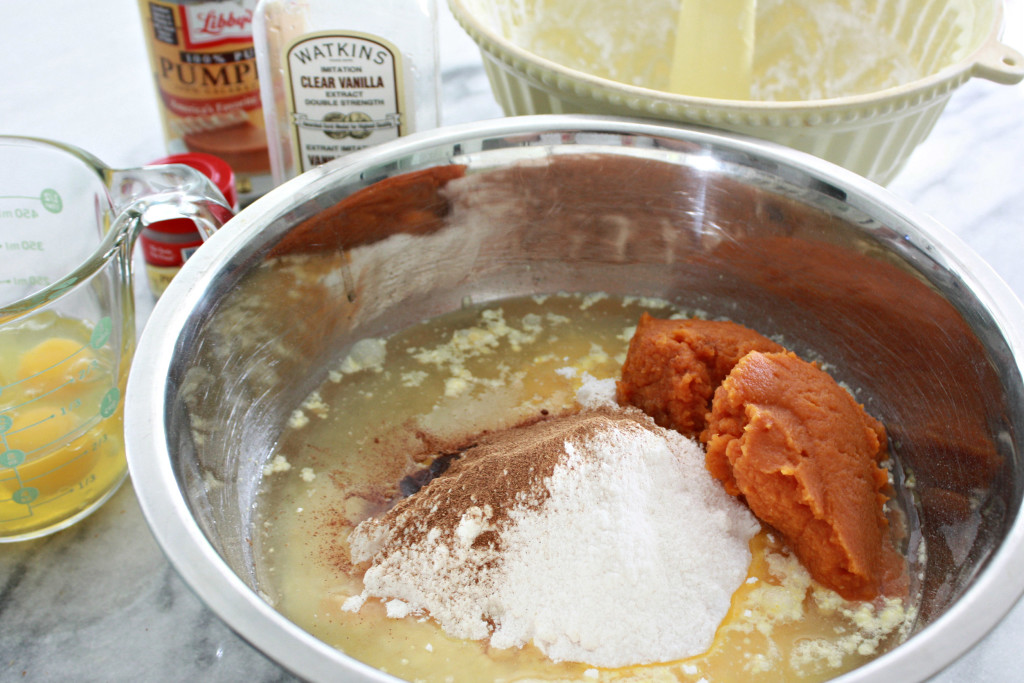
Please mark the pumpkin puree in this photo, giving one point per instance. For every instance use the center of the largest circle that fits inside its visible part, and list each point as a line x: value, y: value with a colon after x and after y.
x: 673, y: 367
x: 781, y: 434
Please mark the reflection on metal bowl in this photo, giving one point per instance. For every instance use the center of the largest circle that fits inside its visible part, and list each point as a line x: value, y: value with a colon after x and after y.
x: 769, y: 237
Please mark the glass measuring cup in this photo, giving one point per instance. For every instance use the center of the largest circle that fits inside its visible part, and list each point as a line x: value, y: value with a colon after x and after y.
x: 67, y: 321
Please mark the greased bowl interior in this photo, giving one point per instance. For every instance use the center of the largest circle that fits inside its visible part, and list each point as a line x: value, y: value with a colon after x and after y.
x: 871, y: 132
x: 758, y: 233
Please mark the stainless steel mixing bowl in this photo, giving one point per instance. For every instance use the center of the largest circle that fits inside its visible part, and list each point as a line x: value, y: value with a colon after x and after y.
x: 766, y: 236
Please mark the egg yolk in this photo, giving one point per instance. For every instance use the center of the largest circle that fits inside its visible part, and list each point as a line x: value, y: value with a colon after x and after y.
x: 51, y: 378
x: 61, y: 445
x: 53, y: 366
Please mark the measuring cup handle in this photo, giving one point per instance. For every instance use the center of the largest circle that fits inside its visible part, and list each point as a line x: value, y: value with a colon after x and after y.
x: 147, y: 195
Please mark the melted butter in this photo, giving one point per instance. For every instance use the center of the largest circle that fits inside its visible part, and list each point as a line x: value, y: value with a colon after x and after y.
x: 782, y: 624
x: 487, y: 368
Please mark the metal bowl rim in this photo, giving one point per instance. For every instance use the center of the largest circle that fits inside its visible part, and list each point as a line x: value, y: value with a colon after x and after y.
x: 983, y: 605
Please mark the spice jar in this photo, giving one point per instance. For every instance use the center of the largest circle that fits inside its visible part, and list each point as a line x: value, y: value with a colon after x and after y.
x: 166, y: 245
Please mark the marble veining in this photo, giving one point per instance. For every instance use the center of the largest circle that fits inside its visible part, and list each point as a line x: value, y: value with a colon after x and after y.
x: 98, y: 602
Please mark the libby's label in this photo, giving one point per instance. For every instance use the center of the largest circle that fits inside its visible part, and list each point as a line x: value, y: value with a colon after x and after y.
x: 212, y: 24
x: 345, y: 94
x: 203, y: 58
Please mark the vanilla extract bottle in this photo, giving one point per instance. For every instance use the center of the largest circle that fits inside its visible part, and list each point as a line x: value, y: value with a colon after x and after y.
x: 337, y: 76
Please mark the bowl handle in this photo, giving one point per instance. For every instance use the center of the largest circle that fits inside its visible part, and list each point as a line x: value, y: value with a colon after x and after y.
x: 1000, y: 63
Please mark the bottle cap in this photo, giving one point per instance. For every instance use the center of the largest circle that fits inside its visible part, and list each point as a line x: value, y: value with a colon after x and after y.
x: 166, y: 245
x: 214, y: 168
x: 182, y: 231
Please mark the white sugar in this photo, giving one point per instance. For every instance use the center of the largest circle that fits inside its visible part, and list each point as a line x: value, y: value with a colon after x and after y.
x: 596, y: 393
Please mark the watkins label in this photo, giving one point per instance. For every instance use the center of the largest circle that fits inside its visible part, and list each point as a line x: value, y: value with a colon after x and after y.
x: 345, y: 94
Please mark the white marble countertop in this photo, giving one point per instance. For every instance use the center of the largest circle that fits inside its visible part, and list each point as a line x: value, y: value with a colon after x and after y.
x: 99, y: 601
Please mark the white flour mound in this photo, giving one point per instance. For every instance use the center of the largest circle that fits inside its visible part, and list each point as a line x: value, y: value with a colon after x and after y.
x: 632, y: 557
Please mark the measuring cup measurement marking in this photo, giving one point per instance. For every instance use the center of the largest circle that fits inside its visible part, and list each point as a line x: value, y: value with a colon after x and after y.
x: 34, y: 424
x: 17, y: 457
x: 26, y: 507
x: 50, y: 201
x: 108, y: 404
x: 12, y: 458
x: 57, y: 364
x: 100, y: 335
x: 83, y: 426
x: 72, y: 405
x: 88, y: 424
x: 26, y: 497
x: 107, y: 407
x: 49, y: 198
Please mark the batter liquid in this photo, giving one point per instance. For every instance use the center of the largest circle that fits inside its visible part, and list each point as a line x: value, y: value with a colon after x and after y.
x: 488, y: 367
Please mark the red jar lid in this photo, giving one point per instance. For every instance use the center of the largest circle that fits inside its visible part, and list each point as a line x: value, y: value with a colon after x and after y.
x: 169, y: 243
x: 214, y: 168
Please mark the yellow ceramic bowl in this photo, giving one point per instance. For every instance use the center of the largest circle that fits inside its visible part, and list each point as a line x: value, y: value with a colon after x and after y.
x: 611, y: 56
